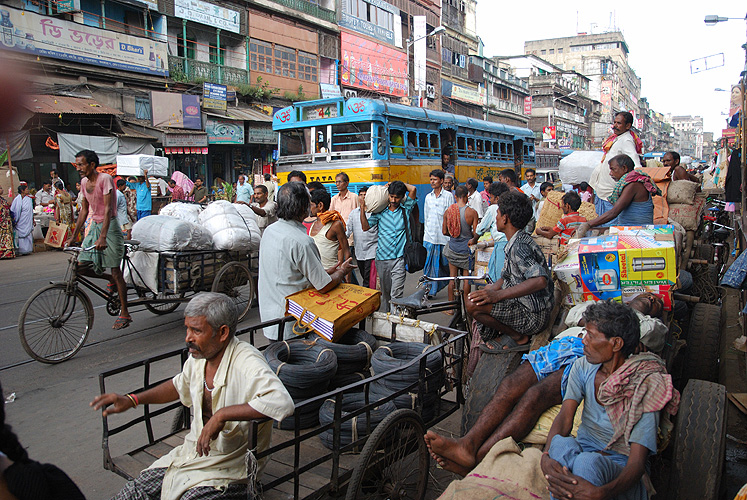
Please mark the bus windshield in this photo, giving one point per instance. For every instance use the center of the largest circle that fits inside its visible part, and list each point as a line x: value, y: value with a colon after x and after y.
x: 295, y: 142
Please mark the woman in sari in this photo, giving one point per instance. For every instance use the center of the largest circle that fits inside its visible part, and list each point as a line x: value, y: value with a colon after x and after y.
x: 23, y: 213
x: 63, y: 205
x: 6, y: 229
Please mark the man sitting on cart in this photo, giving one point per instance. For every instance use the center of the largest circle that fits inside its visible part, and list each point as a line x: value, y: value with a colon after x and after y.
x: 227, y: 383
x: 535, y: 386
x: 519, y: 304
x: 622, y: 399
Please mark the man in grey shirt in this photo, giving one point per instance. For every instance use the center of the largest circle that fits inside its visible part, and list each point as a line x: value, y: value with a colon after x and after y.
x: 289, y: 260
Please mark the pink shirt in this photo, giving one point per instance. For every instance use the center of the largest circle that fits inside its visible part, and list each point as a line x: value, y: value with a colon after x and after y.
x: 104, y: 185
x: 344, y: 205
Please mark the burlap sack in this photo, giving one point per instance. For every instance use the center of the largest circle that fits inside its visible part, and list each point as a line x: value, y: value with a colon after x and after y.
x: 377, y: 199
x: 681, y: 192
x: 688, y: 214
x: 552, y: 210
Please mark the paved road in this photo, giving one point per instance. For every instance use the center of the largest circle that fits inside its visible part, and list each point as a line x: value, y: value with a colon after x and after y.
x: 50, y: 413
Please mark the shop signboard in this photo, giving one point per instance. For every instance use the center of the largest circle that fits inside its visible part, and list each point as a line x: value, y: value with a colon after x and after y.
x: 26, y: 31
x: 330, y: 91
x: 528, y: 105
x: 170, y: 109
x: 548, y: 134
x: 468, y: 95
x: 371, y: 66
x: 64, y: 6
x: 348, y: 20
x: 258, y: 134
x: 179, y: 141
x: 209, y: 14
x: 606, y: 96
x: 214, y: 96
x: 221, y: 131
x: 319, y: 112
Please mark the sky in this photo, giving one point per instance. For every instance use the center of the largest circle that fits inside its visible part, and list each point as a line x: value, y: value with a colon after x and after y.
x: 663, y: 36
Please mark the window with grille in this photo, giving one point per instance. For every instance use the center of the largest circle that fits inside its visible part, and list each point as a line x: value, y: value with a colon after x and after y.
x: 285, y: 61
x: 142, y: 108
x: 307, y: 67
x: 217, y: 56
x: 260, y: 56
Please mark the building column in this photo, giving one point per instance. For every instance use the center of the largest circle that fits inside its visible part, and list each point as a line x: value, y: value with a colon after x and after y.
x: 184, y: 43
x: 246, y: 42
x: 217, y: 50
x: 103, y: 13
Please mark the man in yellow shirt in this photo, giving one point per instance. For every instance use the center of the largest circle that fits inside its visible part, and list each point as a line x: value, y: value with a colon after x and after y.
x: 227, y: 383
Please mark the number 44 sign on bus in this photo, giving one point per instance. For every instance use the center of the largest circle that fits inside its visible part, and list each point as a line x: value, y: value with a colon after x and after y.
x: 319, y: 112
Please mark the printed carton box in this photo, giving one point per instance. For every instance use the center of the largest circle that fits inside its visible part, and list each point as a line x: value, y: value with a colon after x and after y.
x: 647, y: 258
x: 568, y: 272
x: 599, y: 265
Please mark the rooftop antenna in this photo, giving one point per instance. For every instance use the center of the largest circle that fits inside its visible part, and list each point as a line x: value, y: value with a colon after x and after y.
x: 577, y: 22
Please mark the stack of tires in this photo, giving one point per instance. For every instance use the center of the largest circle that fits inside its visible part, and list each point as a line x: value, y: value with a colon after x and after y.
x: 354, y: 428
x: 398, y: 354
x: 305, y: 369
x: 353, y: 351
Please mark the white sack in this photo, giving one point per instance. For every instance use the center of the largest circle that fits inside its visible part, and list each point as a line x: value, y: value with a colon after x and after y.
x: 184, y: 211
x: 160, y: 233
x: 145, y: 272
x: 377, y: 198
x: 136, y: 164
x: 578, y: 166
x: 229, y: 230
x: 250, y: 218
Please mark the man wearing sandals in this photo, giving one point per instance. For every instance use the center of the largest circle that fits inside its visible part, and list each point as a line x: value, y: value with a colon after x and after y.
x: 519, y: 304
x: 227, y: 383
x: 100, y: 199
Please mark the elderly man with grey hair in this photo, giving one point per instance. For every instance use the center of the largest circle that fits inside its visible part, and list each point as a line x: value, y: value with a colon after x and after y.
x: 227, y: 383
x: 289, y: 259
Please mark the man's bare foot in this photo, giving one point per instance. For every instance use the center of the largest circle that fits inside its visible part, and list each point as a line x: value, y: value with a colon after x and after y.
x: 450, y: 454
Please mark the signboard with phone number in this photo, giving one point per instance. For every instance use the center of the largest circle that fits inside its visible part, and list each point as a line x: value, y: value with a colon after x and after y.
x: 319, y: 112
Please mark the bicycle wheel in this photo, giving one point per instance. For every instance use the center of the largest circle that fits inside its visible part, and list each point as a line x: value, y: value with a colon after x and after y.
x: 235, y: 281
x: 54, y: 323
x: 161, y: 308
x: 394, y: 462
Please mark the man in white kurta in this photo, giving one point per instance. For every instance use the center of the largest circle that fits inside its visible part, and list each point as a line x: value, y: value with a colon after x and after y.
x: 623, y: 141
x: 22, y: 209
x: 226, y: 382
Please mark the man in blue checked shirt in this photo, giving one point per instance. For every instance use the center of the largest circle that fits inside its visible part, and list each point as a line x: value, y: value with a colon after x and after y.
x: 436, y: 203
x: 390, y: 262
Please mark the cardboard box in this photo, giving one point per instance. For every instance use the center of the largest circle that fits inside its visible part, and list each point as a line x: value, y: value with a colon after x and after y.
x: 568, y: 272
x: 647, y: 258
x: 135, y: 165
x: 599, y: 264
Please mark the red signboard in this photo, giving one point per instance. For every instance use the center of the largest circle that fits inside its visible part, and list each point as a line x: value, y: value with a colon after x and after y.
x: 528, y: 105
x: 371, y: 66
x: 548, y: 134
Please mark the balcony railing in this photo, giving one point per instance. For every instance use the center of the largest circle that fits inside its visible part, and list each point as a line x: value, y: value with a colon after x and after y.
x: 310, y: 8
x: 189, y: 70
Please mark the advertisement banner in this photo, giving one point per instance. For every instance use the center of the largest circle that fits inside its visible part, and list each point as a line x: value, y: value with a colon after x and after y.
x: 371, y: 66
x: 606, y: 96
x: 548, y: 134
x: 261, y: 134
x: 467, y: 95
x: 221, y: 131
x: 170, y: 109
x: 209, y: 14
x: 214, y: 96
x: 528, y: 105
x: 419, y: 50
x: 59, y: 39
x: 735, y: 105
x: 349, y: 20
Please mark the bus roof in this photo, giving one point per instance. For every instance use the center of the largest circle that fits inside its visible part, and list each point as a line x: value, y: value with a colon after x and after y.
x: 339, y: 110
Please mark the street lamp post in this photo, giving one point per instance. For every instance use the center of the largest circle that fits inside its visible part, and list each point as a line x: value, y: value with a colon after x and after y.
x: 551, y: 111
x: 409, y: 43
x: 712, y: 20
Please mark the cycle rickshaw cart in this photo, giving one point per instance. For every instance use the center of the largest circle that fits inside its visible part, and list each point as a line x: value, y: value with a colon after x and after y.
x: 56, y: 320
x: 388, y: 459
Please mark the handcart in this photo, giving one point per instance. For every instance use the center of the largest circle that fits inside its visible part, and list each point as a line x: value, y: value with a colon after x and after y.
x: 56, y: 320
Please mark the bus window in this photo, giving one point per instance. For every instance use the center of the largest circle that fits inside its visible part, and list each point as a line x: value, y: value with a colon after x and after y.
x: 412, y: 143
x: 380, y: 140
x: 354, y: 136
x: 461, y: 147
x: 470, y: 147
x: 510, y: 151
x: 321, y: 140
x: 397, y: 142
x: 480, y: 145
x: 423, y: 144
x: 295, y: 142
x: 504, y: 154
x: 496, y: 150
x: 435, y: 146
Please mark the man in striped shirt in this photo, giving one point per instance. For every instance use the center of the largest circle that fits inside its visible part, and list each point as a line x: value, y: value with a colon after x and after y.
x: 390, y: 262
x: 567, y: 225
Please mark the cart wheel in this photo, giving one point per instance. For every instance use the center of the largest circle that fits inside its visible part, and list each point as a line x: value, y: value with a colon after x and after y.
x: 699, y: 442
x: 161, y: 308
x: 235, y: 281
x: 394, y: 462
x: 54, y: 324
x: 113, y: 308
x: 703, y: 343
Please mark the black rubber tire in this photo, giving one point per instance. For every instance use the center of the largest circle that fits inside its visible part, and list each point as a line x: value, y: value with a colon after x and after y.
x: 490, y: 372
x: 48, y: 333
x: 713, y: 273
x: 305, y: 365
x: 703, y: 343
x: 235, y: 280
x: 161, y: 309
x: 394, y: 462
x: 351, y: 402
x: 699, y: 442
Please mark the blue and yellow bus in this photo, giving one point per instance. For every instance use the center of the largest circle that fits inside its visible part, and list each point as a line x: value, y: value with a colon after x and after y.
x: 375, y: 142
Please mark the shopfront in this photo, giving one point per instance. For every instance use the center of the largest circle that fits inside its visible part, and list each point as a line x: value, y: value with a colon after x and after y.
x: 187, y: 153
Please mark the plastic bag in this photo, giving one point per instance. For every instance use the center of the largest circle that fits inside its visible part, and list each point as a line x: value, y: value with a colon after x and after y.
x: 159, y: 233
x: 578, y: 166
x: 230, y: 231
x: 185, y: 211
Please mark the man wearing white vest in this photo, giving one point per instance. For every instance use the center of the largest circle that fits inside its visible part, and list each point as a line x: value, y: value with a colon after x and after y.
x: 622, y: 141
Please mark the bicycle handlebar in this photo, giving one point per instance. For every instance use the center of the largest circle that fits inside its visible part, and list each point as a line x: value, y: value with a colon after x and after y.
x: 78, y: 249
x: 463, y: 278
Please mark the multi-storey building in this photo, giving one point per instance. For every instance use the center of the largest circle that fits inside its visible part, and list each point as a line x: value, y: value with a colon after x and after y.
x: 461, y: 95
x: 690, y: 131
x: 603, y: 58
x: 505, y: 93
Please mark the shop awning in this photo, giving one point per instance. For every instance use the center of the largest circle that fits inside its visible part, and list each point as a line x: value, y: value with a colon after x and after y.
x: 55, y: 105
x: 241, y: 114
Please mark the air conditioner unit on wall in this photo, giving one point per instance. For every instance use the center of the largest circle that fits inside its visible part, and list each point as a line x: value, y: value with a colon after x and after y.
x: 350, y: 93
x: 430, y: 91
